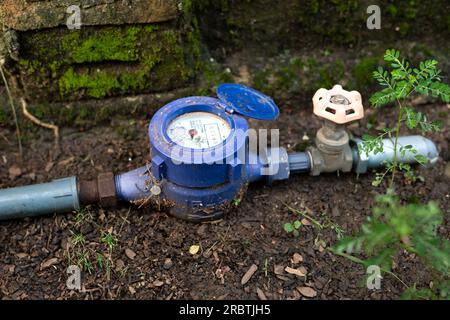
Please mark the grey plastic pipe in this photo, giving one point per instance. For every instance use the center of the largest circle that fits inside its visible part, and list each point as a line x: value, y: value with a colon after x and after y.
x: 54, y: 197
x: 425, y: 147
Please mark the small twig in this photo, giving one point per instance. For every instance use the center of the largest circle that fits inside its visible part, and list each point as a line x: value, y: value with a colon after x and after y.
x: 13, y: 109
x: 35, y: 120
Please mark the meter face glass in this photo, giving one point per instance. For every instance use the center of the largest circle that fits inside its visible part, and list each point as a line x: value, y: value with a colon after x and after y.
x: 198, y: 130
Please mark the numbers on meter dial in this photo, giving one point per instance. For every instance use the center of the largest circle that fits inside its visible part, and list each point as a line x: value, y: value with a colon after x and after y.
x: 198, y: 130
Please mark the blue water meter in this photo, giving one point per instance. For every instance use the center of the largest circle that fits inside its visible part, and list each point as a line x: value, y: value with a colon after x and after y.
x: 199, y: 147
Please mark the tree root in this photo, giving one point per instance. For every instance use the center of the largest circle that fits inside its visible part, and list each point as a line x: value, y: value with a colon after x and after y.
x: 25, y: 112
x: 40, y: 123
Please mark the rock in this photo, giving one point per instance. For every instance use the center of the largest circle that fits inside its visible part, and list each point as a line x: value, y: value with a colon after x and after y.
x: 261, y: 294
x: 48, y: 263
x: 298, y: 272
x: 307, y: 292
x: 297, y: 258
x: 130, y: 253
x: 14, y: 172
x: 167, y: 264
x: 250, y: 272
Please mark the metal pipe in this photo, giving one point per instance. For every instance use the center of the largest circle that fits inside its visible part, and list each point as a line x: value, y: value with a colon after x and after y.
x: 54, y: 197
x: 299, y: 162
x: 362, y: 162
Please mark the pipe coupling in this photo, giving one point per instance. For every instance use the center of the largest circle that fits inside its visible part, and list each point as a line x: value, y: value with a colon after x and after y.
x: 101, y: 190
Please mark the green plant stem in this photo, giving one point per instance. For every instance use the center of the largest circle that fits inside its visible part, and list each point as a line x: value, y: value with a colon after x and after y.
x: 317, y: 223
x: 357, y: 260
x: 397, y: 133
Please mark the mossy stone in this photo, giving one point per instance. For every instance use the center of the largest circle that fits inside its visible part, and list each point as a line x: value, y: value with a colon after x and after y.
x: 97, y: 62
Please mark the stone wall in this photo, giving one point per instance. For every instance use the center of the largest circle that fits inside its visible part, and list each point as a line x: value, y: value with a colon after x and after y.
x: 122, y: 48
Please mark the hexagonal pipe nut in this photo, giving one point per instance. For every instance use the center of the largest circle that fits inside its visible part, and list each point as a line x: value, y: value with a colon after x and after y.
x: 107, y: 189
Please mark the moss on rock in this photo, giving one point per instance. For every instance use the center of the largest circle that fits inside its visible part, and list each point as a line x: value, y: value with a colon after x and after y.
x: 105, y: 61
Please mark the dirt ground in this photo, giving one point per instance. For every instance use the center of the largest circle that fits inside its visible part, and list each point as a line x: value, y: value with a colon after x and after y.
x: 151, y: 259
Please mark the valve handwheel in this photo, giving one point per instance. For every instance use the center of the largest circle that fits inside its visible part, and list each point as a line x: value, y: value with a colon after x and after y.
x: 338, y: 105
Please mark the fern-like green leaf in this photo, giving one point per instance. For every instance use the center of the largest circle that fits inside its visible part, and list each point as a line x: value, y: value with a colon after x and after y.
x: 383, y: 97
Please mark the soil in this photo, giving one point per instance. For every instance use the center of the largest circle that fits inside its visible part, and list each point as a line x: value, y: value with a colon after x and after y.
x: 151, y: 259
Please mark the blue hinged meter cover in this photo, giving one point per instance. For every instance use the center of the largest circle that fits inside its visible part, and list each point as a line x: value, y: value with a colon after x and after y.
x: 247, y: 101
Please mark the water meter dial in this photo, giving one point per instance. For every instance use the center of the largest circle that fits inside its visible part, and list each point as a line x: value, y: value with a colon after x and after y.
x: 199, y: 130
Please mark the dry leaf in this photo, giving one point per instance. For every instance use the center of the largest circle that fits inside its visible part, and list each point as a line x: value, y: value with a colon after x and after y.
x: 158, y: 283
x: 261, y: 294
x: 194, y: 249
x: 307, y: 292
x: 49, y: 166
x: 48, y: 263
x: 297, y: 272
x: 305, y: 222
x: 130, y: 253
x: 66, y: 162
x: 250, y: 272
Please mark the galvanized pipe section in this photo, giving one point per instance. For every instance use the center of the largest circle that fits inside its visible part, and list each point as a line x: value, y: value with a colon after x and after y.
x: 425, y: 147
x: 54, y: 197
